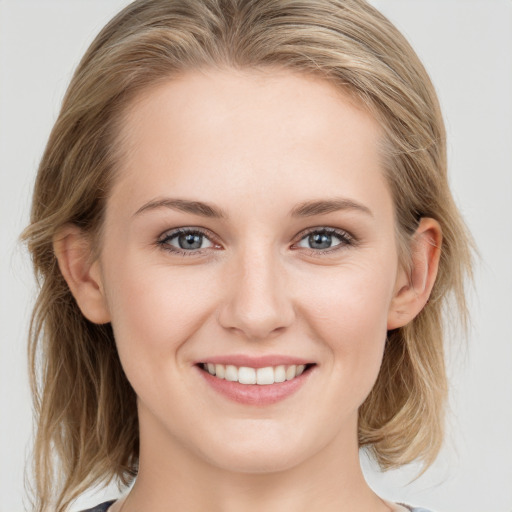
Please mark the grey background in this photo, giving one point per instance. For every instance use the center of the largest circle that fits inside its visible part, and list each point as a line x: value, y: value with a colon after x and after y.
x: 467, y: 47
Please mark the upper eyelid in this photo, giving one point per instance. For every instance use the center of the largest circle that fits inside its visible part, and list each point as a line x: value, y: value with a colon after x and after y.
x: 330, y: 229
x: 343, y: 233
x: 169, y: 233
x: 163, y: 241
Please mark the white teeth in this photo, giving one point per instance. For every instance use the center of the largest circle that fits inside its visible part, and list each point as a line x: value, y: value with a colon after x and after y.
x: 220, y: 371
x: 265, y: 375
x: 231, y: 373
x: 279, y: 374
x: 261, y: 376
x: 246, y: 375
x: 290, y: 372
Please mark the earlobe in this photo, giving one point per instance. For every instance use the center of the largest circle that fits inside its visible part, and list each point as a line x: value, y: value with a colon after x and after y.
x: 73, y: 251
x: 413, y: 289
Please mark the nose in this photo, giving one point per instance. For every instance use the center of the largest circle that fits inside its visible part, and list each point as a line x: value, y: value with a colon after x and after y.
x: 257, y: 302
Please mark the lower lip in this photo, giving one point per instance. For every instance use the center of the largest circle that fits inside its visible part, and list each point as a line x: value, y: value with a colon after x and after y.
x: 255, y: 394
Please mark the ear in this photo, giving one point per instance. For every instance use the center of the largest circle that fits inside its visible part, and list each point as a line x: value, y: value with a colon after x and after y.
x: 74, y: 254
x: 413, y: 289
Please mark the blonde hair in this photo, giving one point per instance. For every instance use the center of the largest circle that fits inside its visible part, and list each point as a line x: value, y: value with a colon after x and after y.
x: 87, y: 429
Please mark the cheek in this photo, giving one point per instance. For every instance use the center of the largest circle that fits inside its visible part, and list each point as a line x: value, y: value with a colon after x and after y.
x: 155, y: 309
x: 351, y: 297
x: 348, y: 309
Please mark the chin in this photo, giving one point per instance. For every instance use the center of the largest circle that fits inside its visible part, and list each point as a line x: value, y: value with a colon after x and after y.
x: 263, y: 453
x: 260, y: 462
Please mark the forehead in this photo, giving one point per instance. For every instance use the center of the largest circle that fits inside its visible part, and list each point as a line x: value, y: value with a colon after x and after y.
x: 212, y: 96
x: 248, y: 127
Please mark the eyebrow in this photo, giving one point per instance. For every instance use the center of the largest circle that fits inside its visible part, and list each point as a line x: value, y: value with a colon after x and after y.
x: 184, y: 205
x: 306, y: 209
x: 321, y: 207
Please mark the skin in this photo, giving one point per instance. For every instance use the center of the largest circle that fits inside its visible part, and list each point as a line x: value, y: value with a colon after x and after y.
x: 255, y: 145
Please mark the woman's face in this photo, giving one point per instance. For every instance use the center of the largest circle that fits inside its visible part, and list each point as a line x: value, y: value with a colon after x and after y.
x: 250, y: 226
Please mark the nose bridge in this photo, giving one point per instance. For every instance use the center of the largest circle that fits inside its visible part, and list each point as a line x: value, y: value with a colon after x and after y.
x: 258, y: 303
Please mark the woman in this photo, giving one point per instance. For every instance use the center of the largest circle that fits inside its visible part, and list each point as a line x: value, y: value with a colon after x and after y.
x: 245, y: 239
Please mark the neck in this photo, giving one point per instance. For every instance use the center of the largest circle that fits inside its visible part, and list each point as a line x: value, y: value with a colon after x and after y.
x: 173, y: 477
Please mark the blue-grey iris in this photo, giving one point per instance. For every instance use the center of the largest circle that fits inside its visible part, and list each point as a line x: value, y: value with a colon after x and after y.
x: 190, y: 241
x: 320, y: 241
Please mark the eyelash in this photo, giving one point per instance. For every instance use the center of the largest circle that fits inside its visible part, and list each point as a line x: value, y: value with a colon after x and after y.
x: 346, y: 240
x: 164, y: 240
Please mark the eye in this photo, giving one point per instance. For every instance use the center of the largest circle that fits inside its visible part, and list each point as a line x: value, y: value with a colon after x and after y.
x: 325, y: 239
x: 185, y: 240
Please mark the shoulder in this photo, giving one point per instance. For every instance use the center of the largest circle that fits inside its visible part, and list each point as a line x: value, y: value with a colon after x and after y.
x: 102, y: 507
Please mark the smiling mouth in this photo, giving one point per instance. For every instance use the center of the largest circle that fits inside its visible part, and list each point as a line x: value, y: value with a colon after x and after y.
x: 261, y: 376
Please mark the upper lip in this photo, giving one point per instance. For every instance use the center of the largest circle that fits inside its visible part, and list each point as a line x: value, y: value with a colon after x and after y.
x: 255, y: 361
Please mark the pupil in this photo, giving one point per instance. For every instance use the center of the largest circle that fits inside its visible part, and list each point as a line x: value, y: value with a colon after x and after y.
x: 320, y: 241
x: 190, y: 241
